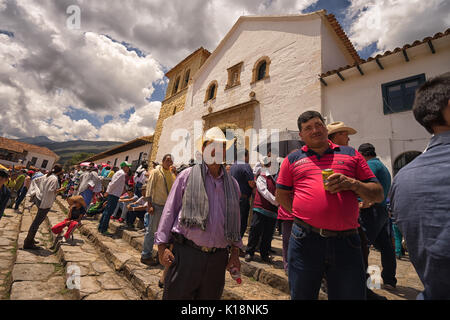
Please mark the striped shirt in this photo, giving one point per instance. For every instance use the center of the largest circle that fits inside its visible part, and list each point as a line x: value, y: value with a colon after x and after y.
x: 301, y: 172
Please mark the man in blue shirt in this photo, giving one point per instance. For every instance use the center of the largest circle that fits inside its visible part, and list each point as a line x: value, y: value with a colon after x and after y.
x: 420, y: 197
x: 4, y: 191
x: 374, y: 218
x: 243, y: 174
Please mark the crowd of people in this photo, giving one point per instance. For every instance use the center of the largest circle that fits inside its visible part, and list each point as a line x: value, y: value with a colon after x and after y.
x: 331, y: 201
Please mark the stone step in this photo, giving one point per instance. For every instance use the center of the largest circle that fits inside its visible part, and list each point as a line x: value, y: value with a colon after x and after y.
x: 9, y: 233
x: 98, y: 279
x: 124, y: 250
x: 37, y: 274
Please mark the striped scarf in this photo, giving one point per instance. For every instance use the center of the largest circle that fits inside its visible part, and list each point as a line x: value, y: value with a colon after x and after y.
x: 196, y: 206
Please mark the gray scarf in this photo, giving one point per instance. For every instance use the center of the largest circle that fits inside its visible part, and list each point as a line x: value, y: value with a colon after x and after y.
x: 195, y: 208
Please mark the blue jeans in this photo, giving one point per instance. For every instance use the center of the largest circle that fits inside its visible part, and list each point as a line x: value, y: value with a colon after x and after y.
x: 149, y: 238
x: 310, y: 256
x: 109, y: 210
x: 22, y: 193
x: 137, y: 189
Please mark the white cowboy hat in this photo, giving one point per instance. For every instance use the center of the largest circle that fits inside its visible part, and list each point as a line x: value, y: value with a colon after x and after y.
x: 338, y: 127
x: 213, y: 134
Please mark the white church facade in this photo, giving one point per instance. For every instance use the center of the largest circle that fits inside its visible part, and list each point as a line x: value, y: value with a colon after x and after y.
x: 269, y: 69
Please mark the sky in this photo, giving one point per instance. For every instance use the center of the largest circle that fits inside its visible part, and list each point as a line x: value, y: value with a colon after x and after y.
x: 101, y: 77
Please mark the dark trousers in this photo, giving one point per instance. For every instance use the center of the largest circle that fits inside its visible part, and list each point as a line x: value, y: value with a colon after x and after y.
x: 195, y: 275
x: 261, y: 229
x: 132, y: 215
x: 22, y: 193
x: 310, y: 256
x: 40, y: 217
x: 244, y: 207
x: 109, y: 210
x: 383, y: 244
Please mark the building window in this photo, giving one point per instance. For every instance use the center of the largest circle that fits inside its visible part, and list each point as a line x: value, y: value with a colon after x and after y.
x: 115, y: 162
x: 126, y: 158
x: 403, y: 159
x: 186, y: 78
x: 176, y: 85
x: 44, y: 164
x: 211, y: 92
x: 234, y: 75
x: 261, y: 69
x: 33, y: 161
x: 399, y: 95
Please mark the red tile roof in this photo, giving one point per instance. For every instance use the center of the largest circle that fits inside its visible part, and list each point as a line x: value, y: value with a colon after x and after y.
x: 387, y: 53
x: 19, y: 147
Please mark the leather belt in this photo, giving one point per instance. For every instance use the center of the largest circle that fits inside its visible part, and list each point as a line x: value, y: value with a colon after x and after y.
x: 179, y: 238
x: 324, y: 232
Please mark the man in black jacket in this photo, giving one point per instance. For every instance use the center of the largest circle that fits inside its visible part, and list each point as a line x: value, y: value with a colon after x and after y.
x: 4, y: 191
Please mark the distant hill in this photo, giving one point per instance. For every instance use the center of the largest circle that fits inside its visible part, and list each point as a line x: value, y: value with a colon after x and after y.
x: 69, y: 148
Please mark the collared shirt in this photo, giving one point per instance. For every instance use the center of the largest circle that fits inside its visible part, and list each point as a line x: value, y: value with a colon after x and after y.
x: 243, y: 173
x: 214, y: 235
x: 301, y: 172
x: 156, y: 185
x: 49, y: 186
x: 420, y: 203
x: 117, y: 183
x: 382, y: 173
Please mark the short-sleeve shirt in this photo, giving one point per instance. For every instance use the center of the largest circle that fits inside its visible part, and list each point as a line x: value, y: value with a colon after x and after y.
x: 301, y: 172
x: 382, y: 173
x: 243, y: 173
x: 48, y: 192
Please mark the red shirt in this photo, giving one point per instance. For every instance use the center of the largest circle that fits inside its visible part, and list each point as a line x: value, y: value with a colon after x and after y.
x: 301, y: 172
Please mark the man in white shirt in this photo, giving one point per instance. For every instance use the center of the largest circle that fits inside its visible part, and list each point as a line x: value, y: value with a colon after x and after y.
x: 48, y: 187
x: 113, y: 192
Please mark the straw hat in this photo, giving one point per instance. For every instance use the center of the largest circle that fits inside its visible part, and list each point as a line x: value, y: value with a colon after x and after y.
x: 75, y: 199
x: 213, y: 134
x: 338, y: 127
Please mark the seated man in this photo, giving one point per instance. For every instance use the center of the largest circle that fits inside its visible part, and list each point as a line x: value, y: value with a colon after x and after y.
x: 137, y: 209
x: 125, y: 199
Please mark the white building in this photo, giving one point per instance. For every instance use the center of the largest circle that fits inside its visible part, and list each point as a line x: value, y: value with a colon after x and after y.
x: 269, y: 69
x: 134, y: 152
x: 16, y: 153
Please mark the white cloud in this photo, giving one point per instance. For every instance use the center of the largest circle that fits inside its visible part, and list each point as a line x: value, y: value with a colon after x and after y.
x: 393, y: 23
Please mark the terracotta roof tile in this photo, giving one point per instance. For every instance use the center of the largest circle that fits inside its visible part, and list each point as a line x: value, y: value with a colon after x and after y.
x: 18, y: 146
x: 388, y: 52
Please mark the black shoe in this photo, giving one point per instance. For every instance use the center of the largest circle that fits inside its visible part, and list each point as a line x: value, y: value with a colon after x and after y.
x: 31, y: 247
x: 370, y: 295
x: 272, y: 251
x: 248, y: 257
x: 267, y: 259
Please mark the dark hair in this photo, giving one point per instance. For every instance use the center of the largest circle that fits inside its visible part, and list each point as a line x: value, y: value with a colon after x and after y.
x: 306, y: 116
x: 367, y: 150
x: 166, y: 156
x: 331, y: 136
x: 431, y: 99
x: 57, y: 168
x: 4, y: 174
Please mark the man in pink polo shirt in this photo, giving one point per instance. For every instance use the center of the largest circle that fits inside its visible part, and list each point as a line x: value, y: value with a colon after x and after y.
x: 324, y: 238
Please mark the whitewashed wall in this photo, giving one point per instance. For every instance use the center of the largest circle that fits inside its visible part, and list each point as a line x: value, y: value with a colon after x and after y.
x: 132, y: 154
x: 358, y: 101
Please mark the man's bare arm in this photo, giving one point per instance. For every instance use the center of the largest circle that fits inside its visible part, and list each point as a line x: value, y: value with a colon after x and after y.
x: 284, y: 198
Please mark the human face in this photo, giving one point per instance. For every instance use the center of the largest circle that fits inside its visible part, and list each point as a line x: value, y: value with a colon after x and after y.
x: 341, y: 138
x: 314, y: 133
x: 126, y: 169
x: 167, y: 163
x: 214, y: 152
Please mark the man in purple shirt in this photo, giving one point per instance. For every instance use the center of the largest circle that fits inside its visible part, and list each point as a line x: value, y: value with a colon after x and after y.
x: 201, y: 218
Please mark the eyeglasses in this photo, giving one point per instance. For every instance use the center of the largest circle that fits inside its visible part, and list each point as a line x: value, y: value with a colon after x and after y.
x: 316, y: 125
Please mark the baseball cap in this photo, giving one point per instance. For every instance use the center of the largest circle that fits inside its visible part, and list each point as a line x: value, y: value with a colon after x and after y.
x: 125, y: 164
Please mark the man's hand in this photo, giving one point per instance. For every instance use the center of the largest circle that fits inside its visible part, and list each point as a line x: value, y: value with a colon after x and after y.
x: 338, y: 182
x: 150, y: 210
x: 233, y: 261
x: 106, y: 194
x: 165, y: 256
x: 365, y: 204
